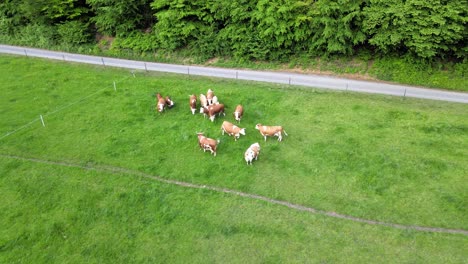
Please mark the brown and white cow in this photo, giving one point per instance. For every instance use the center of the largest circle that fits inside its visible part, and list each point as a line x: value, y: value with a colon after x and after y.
x: 215, y: 109
x: 193, y: 103
x: 204, y: 111
x: 209, y: 96
x: 232, y: 130
x: 238, y: 113
x: 169, y: 102
x: 207, y: 143
x: 161, y: 104
x: 270, y: 131
x: 252, y: 153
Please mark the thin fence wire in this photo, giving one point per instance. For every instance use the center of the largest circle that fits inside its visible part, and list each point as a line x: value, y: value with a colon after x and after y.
x: 20, y: 128
x: 74, y: 103
x: 62, y: 108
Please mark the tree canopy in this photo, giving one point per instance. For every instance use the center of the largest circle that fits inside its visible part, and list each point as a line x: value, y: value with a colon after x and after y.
x: 251, y: 29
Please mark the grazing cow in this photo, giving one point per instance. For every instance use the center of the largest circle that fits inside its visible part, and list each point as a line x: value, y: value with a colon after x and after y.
x: 207, y: 143
x: 238, y: 113
x: 271, y: 131
x: 204, y: 111
x: 193, y: 103
x: 215, y: 109
x: 215, y: 100
x: 209, y: 97
x: 169, y: 102
x: 252, y: 153
x: 203, y: 101
x: 232, y: 130
x: 161, y: 103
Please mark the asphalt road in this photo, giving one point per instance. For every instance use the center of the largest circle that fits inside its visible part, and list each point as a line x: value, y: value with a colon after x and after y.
x: 306, y: 80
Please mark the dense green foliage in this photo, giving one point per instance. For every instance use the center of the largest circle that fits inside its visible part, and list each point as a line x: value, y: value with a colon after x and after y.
x: 120, y: 17
x: 376, y: 157
x: 261, y: 29
x: 427, y: 28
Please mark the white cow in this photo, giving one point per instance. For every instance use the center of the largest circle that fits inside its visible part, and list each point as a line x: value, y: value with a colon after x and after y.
x: 252, y: 153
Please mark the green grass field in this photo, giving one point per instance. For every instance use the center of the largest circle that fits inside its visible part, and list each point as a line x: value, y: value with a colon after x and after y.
x: 396, y: 160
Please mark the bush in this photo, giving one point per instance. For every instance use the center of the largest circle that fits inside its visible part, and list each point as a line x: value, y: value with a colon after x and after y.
x: 73, y: 32
x: 408, y: 70
x: 37, y: 35
x: 136, y: 41
x: 6, y: 26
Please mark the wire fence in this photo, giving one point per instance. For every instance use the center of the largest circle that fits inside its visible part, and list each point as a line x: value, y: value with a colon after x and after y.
x: 282, y: 78
x: 63, y: 107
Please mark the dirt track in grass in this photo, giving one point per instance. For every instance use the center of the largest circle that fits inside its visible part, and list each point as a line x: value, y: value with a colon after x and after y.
x: 118, y: 170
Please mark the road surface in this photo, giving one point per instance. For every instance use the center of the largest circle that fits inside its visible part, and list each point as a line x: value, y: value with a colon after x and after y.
x: 306, y: 80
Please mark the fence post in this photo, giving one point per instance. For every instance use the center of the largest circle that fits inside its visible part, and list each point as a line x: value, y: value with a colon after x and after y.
x: 289, y: 80
x: 404, y: 95
x: 25, y: 53
x: 42, y: 120
x: 146, y: 69
x: 102, y: 59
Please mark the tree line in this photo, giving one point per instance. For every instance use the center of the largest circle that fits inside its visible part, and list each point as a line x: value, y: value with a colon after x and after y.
x: 247, y: 29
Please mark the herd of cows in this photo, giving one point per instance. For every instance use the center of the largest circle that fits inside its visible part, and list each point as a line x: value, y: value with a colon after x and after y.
x: 210, y: 107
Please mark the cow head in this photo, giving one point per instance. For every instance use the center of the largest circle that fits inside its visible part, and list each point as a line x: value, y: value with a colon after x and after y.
x: 258, y: 126
x: 200, y: 136
x: 169, y: 102
x: 256, y: 145
x: 242, y: 131
x: 193, y: 99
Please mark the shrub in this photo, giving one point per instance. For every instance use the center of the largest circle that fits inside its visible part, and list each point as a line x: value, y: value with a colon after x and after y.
x: 37, y: 35
x: 6, y: 26
x: 73, y: 32
x: 408, y: 70
x: 136, y: 41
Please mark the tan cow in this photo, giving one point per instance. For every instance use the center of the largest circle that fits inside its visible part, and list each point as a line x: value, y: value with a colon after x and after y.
x: 252, y: 153
x: 193, y: 103
x: 271, y: 131
x: 232, y: 130
x: 215, y: 100
x: 215, y: 109
x: 203, y: 101
x: 209, y: 97
x: 207, y: 143
x: 161, y: 104
x: 238, y: 113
